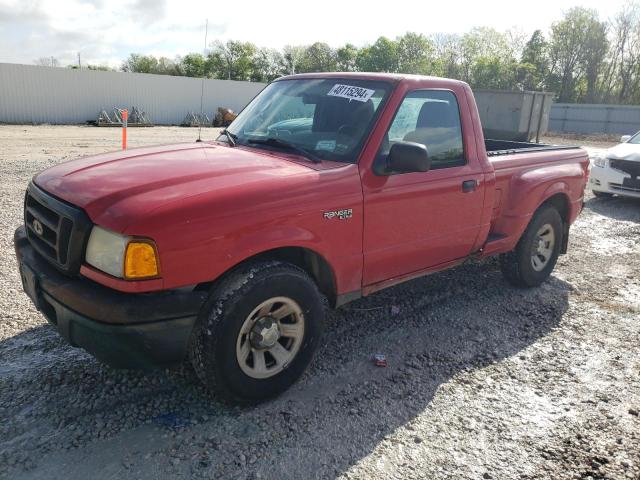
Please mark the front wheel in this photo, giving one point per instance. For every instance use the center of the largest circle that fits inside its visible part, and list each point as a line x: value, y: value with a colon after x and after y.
x: 536, y: 254
x: 258, y: 332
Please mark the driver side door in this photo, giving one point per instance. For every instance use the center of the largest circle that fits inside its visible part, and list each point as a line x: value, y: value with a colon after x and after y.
x: 415, y: 221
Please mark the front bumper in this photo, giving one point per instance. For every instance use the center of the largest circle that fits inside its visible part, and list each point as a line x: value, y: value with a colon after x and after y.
x: 124, y: 330
x: 609, y: 180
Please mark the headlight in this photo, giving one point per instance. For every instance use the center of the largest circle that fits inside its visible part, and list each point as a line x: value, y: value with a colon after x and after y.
x: 122, y: 256
x: 600, y: 162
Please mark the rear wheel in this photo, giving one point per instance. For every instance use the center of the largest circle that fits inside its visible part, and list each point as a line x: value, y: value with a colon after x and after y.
x: 602, y: 194
x: 258, y: 332
x: 536, y: 254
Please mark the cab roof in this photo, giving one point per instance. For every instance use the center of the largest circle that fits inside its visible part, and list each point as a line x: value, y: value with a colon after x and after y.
x: 385, y: 77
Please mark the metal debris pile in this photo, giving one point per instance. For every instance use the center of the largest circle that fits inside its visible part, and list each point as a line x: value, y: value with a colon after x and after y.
x: 137, y: 118
x: 196, y: 120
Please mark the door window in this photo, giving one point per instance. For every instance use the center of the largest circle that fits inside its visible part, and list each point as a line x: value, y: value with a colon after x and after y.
x: 432, y: 118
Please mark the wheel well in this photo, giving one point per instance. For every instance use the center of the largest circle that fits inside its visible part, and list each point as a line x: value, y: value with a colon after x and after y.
x: 561, y: 203
x: 311, y: 262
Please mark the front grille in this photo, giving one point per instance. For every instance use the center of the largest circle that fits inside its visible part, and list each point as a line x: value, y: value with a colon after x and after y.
x: 626, y: 166
x: 55, y: 229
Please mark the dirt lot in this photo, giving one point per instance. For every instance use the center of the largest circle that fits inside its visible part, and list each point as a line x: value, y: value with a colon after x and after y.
x: 484, y: 380
x: 596, y: 140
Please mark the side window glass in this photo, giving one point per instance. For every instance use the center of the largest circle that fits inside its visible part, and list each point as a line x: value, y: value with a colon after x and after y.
x: 432, y: 118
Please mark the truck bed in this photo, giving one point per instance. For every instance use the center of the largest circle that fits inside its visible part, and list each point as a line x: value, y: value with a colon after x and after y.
x: 526, y: 172
x: 507, y: 147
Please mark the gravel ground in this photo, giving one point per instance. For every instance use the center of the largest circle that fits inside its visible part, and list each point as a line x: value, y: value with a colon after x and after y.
x: 598, y: 140
x: 484, y: 380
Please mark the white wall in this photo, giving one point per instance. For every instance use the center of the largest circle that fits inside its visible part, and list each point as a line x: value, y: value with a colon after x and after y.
x: 33, y: 94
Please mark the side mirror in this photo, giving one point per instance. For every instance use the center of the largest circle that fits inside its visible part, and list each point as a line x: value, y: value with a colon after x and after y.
x: 407, y: 157
x: 625, y: 138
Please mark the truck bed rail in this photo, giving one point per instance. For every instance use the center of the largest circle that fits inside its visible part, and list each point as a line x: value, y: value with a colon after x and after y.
x: 507, y: 147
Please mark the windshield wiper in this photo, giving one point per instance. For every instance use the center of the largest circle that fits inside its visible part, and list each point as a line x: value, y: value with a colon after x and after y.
x: 232, y: 137
x: 276, y: 142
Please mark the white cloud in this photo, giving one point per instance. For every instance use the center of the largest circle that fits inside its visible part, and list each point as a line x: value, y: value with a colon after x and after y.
x: 106, y: 31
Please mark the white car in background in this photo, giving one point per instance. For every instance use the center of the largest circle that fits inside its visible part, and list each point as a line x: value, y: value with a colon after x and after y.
x: 617, y: 172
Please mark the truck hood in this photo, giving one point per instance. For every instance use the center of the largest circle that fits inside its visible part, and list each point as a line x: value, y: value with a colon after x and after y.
x: 146, y: 178
x: 625, y: 151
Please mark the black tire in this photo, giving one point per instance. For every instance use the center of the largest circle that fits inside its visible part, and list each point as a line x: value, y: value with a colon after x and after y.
x: 213, y: 346
x: 517, y: 265
x: 602, y: 194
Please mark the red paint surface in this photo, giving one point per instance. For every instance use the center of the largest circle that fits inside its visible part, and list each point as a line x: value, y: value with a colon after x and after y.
x: 209, y: 206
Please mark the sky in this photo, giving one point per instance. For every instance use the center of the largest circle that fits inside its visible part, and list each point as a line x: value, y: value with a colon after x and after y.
x: 105, y: 32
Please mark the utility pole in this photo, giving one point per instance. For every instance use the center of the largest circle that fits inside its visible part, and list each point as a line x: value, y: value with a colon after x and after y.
x: 79, y: 64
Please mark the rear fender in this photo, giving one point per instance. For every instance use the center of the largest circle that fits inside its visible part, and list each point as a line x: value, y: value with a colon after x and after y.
x: 554, y: 189
x: 532, y: 188
x: 527, y: 192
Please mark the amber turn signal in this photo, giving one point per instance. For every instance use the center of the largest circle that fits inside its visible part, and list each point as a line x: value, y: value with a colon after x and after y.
x: 140, y: 260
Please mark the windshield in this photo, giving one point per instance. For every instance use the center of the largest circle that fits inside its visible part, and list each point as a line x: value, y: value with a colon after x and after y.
x: 329, y: 119
x: 635, y: 139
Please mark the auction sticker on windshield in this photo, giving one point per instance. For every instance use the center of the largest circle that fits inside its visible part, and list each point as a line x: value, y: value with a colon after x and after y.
x: 352, y: 93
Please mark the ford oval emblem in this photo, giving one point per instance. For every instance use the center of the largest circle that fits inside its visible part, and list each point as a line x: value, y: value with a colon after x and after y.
x: 37, y: 227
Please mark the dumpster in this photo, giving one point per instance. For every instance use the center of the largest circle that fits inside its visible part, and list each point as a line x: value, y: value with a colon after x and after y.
x: 519, y: 116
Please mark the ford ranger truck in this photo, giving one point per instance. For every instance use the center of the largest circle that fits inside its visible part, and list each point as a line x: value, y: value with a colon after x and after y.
x: 326, y: 186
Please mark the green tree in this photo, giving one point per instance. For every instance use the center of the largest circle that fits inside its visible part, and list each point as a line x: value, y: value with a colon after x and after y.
x: 492, y: 72
x: 292, y: 56
x: 382, y: 56
x: 166, y: 66
x: 138, y: 63
x: 415, y: 54
x: 193, y: 65
x: 232, y: 60
x: 346, y: 57
x: 535, y: 61
x: 486, y: 43
x: 447, y: 55
x: 621, y: 79
x: 318, y: 57
x: 573, y: 51
x: 102, y: 68
x: 267, y: 65
x: 595, y: 51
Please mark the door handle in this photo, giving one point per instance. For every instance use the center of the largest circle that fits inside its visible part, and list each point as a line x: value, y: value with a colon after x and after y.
x: 469, y: 186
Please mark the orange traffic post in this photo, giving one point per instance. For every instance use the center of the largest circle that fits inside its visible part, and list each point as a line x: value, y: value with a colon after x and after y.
x: 125, y: 117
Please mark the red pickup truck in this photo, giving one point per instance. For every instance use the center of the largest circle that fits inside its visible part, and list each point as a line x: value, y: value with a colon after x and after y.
x: 326, y: 185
